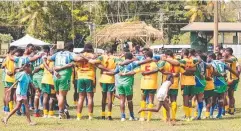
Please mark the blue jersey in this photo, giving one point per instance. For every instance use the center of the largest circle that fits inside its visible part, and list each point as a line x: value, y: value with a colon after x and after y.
x: 20, y: 61
x: 23, y: 83
x: 63, y: 58
x: 220, y: 67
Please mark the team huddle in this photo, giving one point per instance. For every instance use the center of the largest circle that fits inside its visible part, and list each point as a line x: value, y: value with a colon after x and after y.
x: 43, y: 76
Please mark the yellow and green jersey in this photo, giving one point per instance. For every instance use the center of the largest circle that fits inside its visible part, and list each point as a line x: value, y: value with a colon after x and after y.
x: 84, y: 69
x: 108, y: 61
x: 47, y: 77
x: 148, y: 81
x: 187, y: 63
x: 233, y: 66
x: 167, y: 67
x: 9, y: 66
x: 210, y: 82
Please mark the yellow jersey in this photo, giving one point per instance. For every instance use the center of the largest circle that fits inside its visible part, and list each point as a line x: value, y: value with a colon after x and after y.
x: 148, y: 81
x: 210, y: 83
x: 85, y: 70
x: 187, y: 63
x: 9, y: 66
x: 167, y: 67
x: 47, y: 76
x: 108, y: 61
x: 233, y: 66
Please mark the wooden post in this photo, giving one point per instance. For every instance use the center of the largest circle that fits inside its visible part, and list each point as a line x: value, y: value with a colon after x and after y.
x: 215, y: 32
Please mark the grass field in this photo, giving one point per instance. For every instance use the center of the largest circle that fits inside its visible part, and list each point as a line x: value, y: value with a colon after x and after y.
x: 19, y: 123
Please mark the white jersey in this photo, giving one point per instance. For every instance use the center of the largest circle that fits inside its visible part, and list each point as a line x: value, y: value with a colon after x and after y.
x: 163, y: 90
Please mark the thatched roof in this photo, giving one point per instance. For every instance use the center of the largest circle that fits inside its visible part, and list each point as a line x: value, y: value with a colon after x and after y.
x: 127, y: 30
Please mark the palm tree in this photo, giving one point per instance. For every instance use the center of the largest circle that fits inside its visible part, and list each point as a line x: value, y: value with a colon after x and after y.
x: 199, y: 10
x: 33, y: 13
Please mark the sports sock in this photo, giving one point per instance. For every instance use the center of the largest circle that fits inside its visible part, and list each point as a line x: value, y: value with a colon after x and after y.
x: 109, y: 113
x: 194, y: 104
x: 195, y: 114
x: 45, y: 112
x: 132, y: 115
x: 212, y: 110
x: 186, y: 111
x: 231, y: 110
x: 164, y: 113
x: 10, y: 105
x: 219, y: 111
x: 123, y: 115
x: 149, y: 112
x: 79, y: 115
x: 207, y: 114
x: 174, y: 110
x: 51, y: 113
x: 190, y: 111
x: 90, y: 114
x: 143, y: 105
x: 102, y: 113
x: 226, y: 108
x: 200, y: 109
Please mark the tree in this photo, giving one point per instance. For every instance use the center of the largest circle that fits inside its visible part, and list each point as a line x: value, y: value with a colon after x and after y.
x: 34, y: 13
x: 199, y: 11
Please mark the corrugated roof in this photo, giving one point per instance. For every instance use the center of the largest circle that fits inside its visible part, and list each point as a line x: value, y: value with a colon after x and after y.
x: 209, y: 26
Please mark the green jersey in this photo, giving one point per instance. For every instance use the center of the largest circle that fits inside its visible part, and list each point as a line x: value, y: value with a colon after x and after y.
x: 126, y: 80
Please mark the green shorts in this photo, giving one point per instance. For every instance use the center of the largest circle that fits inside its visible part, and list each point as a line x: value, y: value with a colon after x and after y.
x: 189, y: 90
x: 208, y: 94
x: 85, y: 85
x: 7, y: 84
x: 198, y: 90
x: 234, y: 85
x: 46, y: 88
x: 125, y: 90
x: 148, y: 91
x: 37, y: 82
x: 62, y: 84
x: 108, y: 87
x: 220, y: 89
x: 173, y: 92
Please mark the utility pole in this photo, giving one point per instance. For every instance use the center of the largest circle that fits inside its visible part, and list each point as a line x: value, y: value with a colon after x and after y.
x: 215, y: 32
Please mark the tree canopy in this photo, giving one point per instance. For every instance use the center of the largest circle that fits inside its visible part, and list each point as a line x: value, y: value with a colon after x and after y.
x: 76, y: 20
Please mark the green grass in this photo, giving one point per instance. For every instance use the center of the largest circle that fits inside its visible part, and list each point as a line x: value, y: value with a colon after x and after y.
x: 19, y: 123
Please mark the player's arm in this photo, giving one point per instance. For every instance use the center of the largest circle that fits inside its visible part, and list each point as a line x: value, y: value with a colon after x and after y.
x: 128, y: 73
x: 230, y: 60
x: 35, y: 57
x: 171, y: 61
x: 36, y: 70
x: 150, y: 72
x: 189, y: 71
x: 102, y: 67
x: 144, y: 61
x: 46, y: 66
x: 126, y: 62
x: 70, y: 65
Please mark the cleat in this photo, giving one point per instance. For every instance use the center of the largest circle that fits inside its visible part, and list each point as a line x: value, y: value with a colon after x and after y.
x: 123, y: 119
x: 66, y: 112
x: 109, y: 118
x: 90, y: 117
x: 142, y: 119
x: 36, y: 115
x: 133, y: 119
x: 103, y: 117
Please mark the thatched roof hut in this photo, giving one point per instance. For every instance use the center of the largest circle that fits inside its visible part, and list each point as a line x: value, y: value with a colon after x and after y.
x: 127, y: 30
